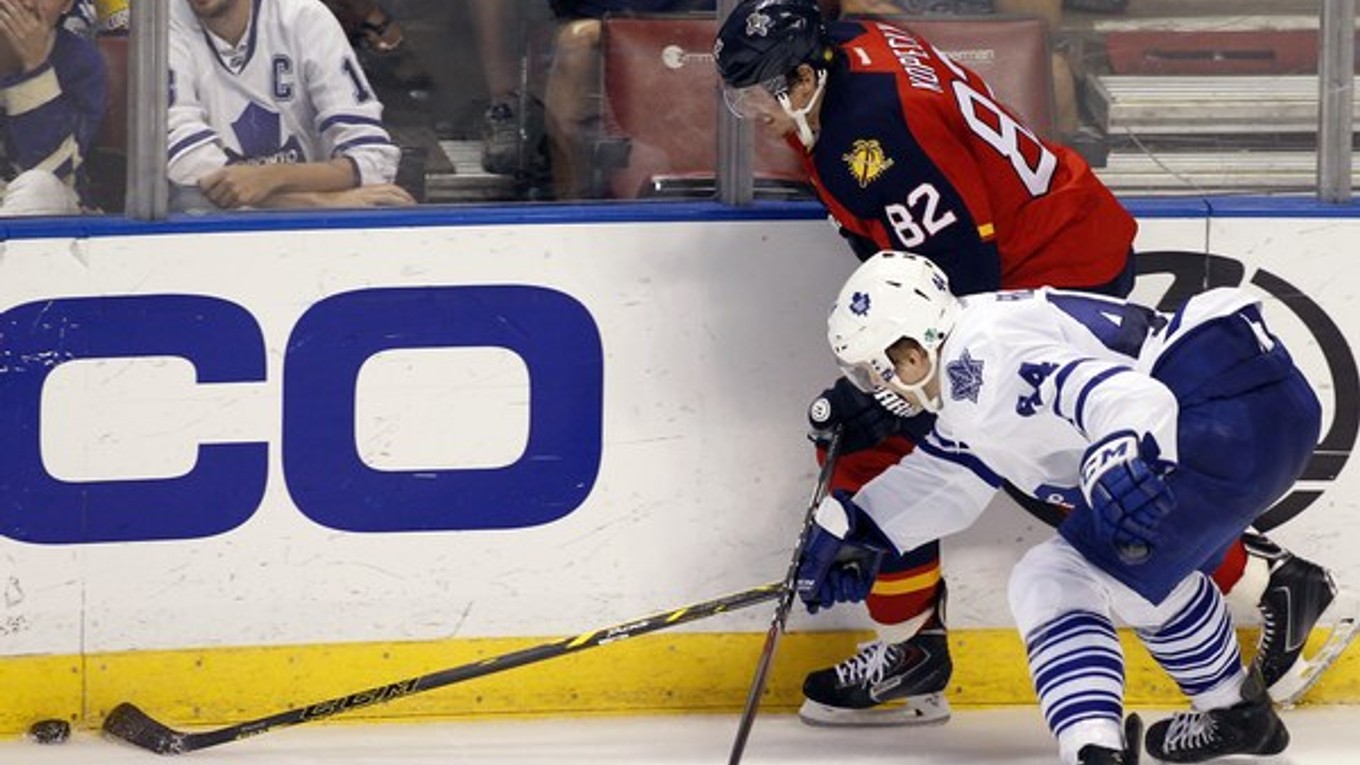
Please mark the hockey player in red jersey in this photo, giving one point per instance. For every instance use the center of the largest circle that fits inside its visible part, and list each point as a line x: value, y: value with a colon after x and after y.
x: 909, y: 150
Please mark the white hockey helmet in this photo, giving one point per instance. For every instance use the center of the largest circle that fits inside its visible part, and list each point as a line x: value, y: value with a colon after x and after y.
x: 891, y: 296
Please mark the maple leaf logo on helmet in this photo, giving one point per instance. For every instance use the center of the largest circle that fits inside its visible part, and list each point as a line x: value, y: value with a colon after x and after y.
x: 859, y: 303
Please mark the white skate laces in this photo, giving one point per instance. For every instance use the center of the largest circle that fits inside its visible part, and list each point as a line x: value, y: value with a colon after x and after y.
x: 1190, y: 731
x: 869, y: 664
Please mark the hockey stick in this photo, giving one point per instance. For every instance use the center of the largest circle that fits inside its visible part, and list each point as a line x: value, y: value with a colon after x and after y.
x: 781, y: 609
x: 134, y: 726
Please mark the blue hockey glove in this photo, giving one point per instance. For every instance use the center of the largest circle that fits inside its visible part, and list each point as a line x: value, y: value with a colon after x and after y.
x: 864, y: 421
x: 837, y: 565
x: 1127, y: 496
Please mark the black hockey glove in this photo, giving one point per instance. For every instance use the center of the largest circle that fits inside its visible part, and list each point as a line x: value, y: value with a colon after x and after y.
x: 865, y: 421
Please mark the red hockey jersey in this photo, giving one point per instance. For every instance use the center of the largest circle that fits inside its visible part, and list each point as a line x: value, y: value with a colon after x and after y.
x: 915, y: 153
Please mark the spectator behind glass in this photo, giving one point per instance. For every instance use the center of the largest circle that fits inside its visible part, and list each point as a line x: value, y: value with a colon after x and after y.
x: 493, y: 20
x: 53, y: 87
x: 273, y: 110
x: 368, y: 22
x: 572, y: 96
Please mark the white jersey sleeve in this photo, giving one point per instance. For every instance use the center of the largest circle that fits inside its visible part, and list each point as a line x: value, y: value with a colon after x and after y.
x: 347, y: 113
x: 1101, y: 397
x: 194, y: 147
x: 1089, y: 376
x: 939, y: 489
x: 1031, y: 379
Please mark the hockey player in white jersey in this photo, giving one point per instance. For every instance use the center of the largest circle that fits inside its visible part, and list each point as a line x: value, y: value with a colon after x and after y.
x: 269, y: 108
x: 1165, y: 436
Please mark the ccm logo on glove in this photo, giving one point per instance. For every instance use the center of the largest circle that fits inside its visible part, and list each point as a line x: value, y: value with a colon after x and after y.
x: 1128, y: 497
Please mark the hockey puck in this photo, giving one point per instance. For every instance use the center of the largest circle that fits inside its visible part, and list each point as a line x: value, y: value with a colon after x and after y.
x: 50, y: 731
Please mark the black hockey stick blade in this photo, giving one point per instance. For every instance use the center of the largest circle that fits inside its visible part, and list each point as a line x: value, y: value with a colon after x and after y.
x: 129, y: 723
x: 781, y: 609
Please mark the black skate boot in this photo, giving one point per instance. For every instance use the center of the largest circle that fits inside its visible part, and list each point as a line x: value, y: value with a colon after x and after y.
x: 883, y: 684
x: 1298, y: 594
x: 1093, y: 754
x: 1250, y: 726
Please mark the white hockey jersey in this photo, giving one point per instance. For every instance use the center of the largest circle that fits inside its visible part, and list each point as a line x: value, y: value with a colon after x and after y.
x: 1029, y: 379
x: 290, y: 91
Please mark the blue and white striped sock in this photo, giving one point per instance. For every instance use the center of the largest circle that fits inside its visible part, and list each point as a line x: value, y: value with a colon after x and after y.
x: 1198, y: 648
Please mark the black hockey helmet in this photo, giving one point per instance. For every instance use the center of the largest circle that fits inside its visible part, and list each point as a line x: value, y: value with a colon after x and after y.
x: 761, y: 41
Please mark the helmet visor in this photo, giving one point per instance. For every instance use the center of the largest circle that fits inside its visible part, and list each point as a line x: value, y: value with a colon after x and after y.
x: 754, y: 102
x: 867, y: 380
x: 863, y: 376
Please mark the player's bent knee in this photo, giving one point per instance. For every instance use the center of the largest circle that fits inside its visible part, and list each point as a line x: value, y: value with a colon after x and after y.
x: 1140, y: 613
x: 1052, y: 579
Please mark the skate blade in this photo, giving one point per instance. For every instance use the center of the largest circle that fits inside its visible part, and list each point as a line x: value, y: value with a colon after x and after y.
x: 1289, y: 689
x: 931, y: 709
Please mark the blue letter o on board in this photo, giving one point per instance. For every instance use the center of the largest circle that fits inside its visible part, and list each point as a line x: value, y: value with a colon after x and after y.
x: 552, y: 333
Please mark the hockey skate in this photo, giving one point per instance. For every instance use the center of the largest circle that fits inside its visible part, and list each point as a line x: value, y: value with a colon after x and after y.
x: 1093, y: 754
x: 883, y: 684
x: 1297, y: 598
x: 1249, y: 727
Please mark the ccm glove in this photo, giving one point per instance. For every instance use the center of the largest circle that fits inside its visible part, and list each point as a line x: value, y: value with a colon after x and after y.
x: 1126, y: 494
x: 865, y: 422
x: 836, y: 565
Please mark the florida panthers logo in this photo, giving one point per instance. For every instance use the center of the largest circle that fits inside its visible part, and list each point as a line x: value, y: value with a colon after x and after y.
x: 867, y: 161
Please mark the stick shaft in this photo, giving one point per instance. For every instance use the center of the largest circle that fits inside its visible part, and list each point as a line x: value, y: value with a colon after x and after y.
x: 781, y: 610
x: 129, y: 723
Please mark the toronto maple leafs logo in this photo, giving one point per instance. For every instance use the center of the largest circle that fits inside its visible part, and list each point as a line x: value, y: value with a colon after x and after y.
x: 859, y: 303
x: 259, y: 134
x: 965, y: 378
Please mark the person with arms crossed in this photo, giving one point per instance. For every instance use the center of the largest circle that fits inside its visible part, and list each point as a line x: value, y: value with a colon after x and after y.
x: 1164, y: 435
x: 53, y: 87
x: 910, y: 150
x: 269, y: 108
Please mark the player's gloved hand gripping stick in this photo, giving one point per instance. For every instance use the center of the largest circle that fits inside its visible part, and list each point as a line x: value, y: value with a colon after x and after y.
x: 839, y: 561
x: 864, y: 420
